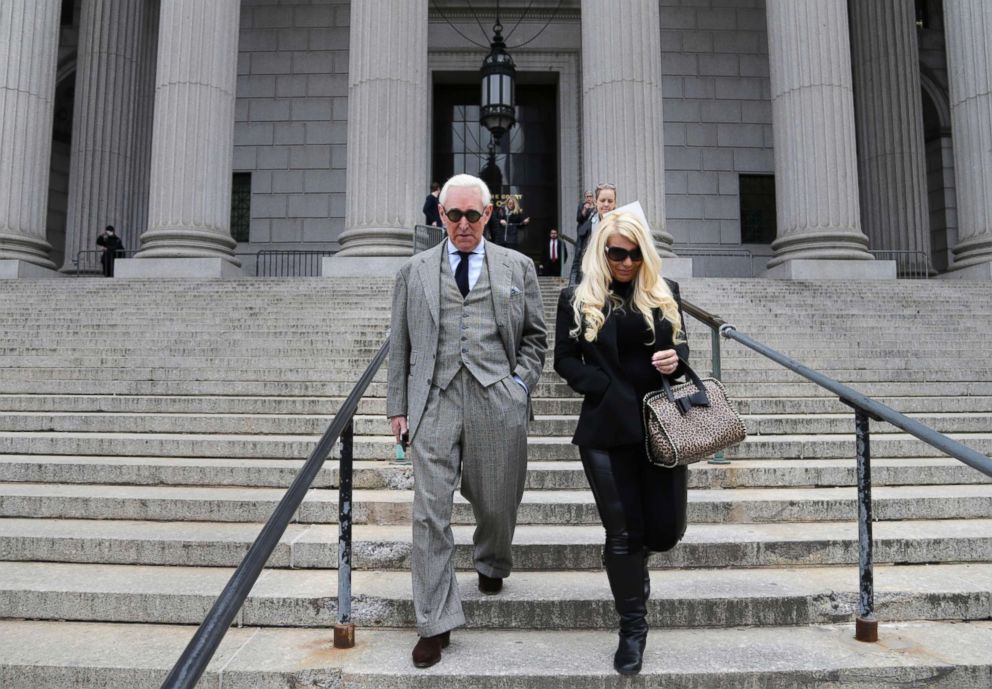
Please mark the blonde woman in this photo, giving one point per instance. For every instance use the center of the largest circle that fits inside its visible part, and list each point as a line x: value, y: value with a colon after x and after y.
x: 618, y: 331
x: 512, y: 219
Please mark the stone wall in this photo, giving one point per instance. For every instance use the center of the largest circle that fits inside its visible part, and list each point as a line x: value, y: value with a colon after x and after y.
x: 717, y: 113
x: 291, y: 119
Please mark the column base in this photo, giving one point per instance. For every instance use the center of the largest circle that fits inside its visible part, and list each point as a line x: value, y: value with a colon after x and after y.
x: 16, y: 268
x: 676, y: 268
x: 175, y: 268
x: 339, y: 266
x: 979, y: 271
x: 832, y: 269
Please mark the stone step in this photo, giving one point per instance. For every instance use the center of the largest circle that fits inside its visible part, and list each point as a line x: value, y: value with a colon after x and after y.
x: 376, y: 406
x: 559, y: 547
x: 366, y: 425
x: 944, y: 656
x: 340, y: 380
x: 939, y: 655
x: 236, y: 388
x: 884, y: 445
x: 320, y: 506
x: 381, y: 474
x: 530, y: 600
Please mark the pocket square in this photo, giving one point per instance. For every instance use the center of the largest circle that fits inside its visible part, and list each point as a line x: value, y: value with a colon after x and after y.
x: 514, y: 291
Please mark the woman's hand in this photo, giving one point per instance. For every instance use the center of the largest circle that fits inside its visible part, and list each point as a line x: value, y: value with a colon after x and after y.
x: 666, y: 361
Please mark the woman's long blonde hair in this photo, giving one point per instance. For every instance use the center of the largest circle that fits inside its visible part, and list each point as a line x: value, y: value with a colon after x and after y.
x: 591, y: 302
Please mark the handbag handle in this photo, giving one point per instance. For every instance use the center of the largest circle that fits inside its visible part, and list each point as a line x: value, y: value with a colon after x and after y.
x: 696, y: 399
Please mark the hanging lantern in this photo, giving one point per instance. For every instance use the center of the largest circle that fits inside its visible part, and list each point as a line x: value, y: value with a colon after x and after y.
x: 498, y: 83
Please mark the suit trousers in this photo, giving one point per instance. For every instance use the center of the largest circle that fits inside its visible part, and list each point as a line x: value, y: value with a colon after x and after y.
x: 480, y: 434
x: 643, y: 507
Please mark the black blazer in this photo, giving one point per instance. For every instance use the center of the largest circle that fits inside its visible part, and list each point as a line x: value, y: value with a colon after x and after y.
x: 611, y: 411
x: 582, y: 235
x: 432, y: 215
x: 547, y: 266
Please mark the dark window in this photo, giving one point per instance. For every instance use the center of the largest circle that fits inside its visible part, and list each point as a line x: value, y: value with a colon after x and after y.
x: 241, y: 206
x: 922, y: 14
x: 68, y: 8
x: 758, y: 224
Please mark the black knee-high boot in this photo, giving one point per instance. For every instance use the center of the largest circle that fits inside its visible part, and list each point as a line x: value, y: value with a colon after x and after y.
x: 626, y: 575
x: 647, y: 579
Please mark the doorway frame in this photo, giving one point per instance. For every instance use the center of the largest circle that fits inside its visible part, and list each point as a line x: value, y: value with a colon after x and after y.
x: 566, y: 66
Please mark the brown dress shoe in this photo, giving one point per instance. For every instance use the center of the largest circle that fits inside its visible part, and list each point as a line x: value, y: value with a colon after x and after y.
x: 490, y: 585
x: 427, y: 652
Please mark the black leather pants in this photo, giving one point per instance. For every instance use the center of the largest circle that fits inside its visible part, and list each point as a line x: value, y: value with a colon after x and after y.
x: 642, y: 507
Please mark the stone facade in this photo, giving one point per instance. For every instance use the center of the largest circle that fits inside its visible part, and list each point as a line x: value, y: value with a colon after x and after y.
x: 299, y: 103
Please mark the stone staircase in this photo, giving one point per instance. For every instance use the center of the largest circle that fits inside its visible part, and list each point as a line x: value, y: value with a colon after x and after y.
x: 148, y: 428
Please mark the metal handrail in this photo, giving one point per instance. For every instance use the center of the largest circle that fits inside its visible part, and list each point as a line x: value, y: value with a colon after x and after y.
x: 865, y: 409
x: 875, y: 409
x: 77, y: 262
x: 201, y: 648
x: 426, y: 236
x: 713, y: 323
x: 912, y: 265
x: 289, y: 262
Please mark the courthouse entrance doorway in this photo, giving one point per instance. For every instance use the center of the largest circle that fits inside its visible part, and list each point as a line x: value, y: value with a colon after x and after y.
x: 526, y: 160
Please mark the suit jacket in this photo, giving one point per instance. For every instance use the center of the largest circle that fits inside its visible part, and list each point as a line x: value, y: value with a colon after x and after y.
x: 549, y: 268
x: 611, y: 411
x: 416, y: 312
x: 582, y: 236
x: 582, y: 213
x: 432, y: 216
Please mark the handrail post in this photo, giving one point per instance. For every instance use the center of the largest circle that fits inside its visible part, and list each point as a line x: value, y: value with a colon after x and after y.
x: 344, y: 630
x: 866, y: 626
x: 717, y: 372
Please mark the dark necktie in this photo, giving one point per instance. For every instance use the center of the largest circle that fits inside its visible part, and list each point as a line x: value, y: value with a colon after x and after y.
x: 461, y: 273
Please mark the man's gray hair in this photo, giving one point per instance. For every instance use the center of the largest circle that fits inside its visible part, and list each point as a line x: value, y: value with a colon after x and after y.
x: 466, y: 181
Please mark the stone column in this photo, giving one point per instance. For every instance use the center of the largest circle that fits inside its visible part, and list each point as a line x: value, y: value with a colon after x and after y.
x: 141, y: 154
x: 816, y: 164
x: 969, y: 55
x: 388, y: 89
x: 622, y: 114
x: 29, y: 31
x: 103, y: 125
x: 189, y: 213
x: 891, y: 152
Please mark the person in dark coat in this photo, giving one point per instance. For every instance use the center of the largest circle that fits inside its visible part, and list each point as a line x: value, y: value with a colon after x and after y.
x: 618, y: 332
x: 553, y: 255
x: 511, y: 219
x: 585, y: 209
x: 606, y: 200
x: 431, y: 214
x: 113, y: 248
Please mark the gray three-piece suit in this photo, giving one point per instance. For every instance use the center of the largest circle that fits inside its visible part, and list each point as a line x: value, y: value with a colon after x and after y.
x: 451, y: 367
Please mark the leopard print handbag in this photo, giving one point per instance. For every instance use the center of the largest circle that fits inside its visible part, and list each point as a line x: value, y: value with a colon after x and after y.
x: 690, y: 421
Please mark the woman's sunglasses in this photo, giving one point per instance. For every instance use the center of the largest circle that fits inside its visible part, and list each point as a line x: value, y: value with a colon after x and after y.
x: 456, y: 215
x: 619, y: 255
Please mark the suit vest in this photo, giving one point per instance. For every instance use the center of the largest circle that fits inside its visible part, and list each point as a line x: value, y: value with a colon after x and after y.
x: 467, y: 332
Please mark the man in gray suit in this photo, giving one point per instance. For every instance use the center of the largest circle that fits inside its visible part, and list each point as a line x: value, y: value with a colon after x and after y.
x: 467, y: 346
